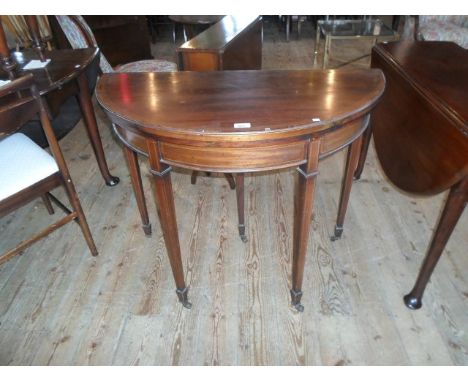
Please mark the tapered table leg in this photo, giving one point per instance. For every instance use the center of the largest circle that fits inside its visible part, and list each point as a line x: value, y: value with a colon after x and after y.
x: 240, y: 205
x: 89, y: 118
x: 193, y: 178
x: 135, y: 176
x: 454, y: 206
x: 351, y: 163
x: 165, y: 203
x: 302, y: 220
x: 366, y: 138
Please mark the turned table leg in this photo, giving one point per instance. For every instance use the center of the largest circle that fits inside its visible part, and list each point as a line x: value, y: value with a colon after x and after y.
x: 302, y: 220
x: 351, y: 163
x: 135, y: 177
x: 89, y: 118
x: 165, y: 204
x: 454, y: 206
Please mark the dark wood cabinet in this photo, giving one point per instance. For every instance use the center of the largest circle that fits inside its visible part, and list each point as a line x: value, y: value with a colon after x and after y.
x: 121, y: 39
x: 233, y: 43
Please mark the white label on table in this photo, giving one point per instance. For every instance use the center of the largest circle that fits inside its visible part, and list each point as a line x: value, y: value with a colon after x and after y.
x: 315, y: 119
x: 36, y: 64
x: 242, y: 125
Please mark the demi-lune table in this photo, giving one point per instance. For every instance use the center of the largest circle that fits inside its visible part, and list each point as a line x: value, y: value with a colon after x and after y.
x: 242, y: 121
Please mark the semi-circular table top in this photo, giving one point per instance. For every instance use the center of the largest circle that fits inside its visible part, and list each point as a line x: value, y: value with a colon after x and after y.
x: 211, y: 104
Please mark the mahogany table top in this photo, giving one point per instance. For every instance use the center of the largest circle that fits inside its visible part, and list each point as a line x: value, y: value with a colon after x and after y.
x: 439, y: 69
x: 212, y: 103
x: 65, y: 65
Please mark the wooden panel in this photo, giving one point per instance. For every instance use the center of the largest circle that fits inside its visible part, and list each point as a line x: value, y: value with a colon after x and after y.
x: 245, y: 52
x: 132, y: 140
x: 341, y: 137
x: 421, y: 141
x: 199, y: 61
x: 227, y: 159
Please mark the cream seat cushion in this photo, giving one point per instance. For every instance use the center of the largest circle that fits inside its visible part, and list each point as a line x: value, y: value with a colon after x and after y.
x: 22, y: 163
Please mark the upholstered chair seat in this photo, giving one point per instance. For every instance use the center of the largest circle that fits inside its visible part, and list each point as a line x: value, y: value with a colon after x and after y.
x: 22, y: 164
x: 148, y: 66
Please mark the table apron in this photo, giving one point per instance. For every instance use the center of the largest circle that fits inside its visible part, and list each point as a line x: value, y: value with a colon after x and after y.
x: 265, y: 155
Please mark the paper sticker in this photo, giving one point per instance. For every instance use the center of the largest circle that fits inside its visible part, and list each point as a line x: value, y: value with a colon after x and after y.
x: 36, y: 64
x: 242, y: 125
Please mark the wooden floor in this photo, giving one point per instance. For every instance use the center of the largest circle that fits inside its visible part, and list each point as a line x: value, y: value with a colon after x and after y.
x: 60, y: 306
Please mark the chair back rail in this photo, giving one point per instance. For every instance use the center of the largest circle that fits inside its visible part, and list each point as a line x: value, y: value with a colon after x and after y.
x: 21, y: 107
x: 17, y: 105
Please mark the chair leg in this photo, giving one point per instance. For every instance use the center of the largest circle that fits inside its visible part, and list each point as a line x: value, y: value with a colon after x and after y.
x: 48, y: 204
x: 135, y: 176
x: 229, y: 178
x: 81, y: 219
x: 231, y: 181
x: 240, y: 205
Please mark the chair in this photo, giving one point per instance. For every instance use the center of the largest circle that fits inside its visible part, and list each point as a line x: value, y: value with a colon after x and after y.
x: 290, y: 20
x: 437, y: 28
x: 26, y: 170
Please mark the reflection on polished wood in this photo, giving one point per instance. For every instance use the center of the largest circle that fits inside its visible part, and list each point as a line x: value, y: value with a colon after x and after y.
x: 189, y: 119
x: 233, y: 43
x: 420, y: 131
